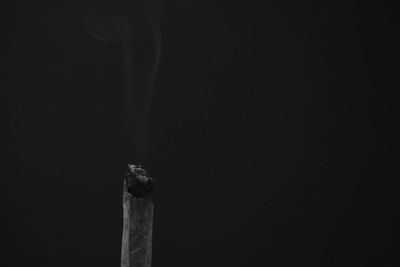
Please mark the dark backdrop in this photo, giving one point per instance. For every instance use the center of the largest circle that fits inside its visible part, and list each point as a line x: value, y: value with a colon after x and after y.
x: 269, y: 138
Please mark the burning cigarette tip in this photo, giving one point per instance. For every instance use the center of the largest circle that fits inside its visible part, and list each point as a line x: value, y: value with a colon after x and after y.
x: 138, y: 182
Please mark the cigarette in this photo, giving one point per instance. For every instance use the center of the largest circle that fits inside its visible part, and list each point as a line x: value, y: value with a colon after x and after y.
x: 138, y: 206
x: 130, y: 27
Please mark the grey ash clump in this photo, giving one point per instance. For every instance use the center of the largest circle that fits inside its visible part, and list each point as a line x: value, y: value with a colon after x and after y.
x: 138, y: 182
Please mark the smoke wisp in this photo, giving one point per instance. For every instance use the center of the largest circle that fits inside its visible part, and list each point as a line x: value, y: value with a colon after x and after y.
x: 136, y: 26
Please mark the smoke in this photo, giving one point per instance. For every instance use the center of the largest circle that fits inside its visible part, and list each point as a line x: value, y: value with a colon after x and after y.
x: 135, y: 24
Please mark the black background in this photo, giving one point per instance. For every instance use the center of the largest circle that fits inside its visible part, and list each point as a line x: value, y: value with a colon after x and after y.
x: 270, y: 136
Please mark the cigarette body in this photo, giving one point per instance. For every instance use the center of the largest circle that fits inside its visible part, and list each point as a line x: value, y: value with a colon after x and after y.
x: 138, y: 206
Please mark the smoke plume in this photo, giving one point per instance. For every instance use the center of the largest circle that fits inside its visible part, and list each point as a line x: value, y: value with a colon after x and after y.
x: 136, y: 26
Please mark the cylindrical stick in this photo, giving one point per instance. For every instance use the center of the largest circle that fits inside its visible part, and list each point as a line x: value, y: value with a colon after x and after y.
x: 138, y: 209
x: 144, y: 32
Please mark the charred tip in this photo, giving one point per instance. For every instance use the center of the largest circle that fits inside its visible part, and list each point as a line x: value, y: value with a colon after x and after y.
x: 138, y: 182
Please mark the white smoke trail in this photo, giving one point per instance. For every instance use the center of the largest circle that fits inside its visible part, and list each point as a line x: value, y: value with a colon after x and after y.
x: 135, y: 24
